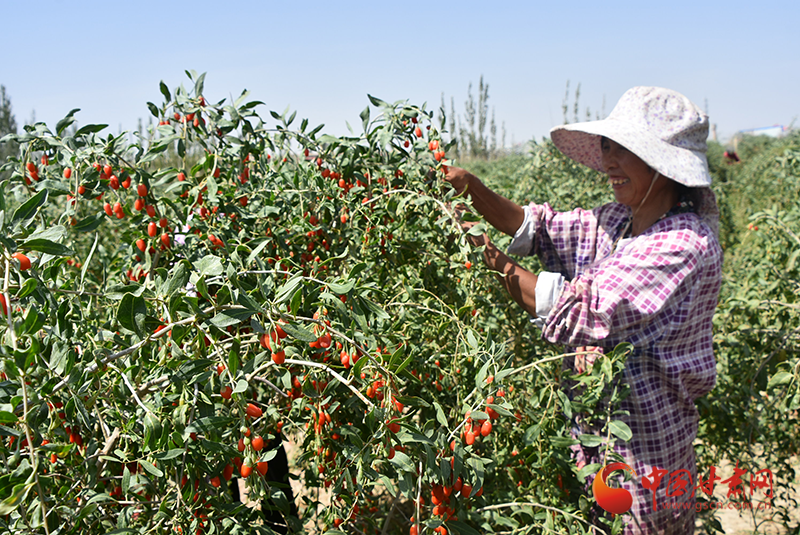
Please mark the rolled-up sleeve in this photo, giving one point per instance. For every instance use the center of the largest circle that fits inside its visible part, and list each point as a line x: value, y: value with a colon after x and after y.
x: 565, y: 242
x: 548, y: 288
x: 522, y: 244
x: 629, y: 294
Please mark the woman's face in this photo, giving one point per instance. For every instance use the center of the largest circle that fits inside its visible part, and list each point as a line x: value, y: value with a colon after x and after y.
x: 628, y: 175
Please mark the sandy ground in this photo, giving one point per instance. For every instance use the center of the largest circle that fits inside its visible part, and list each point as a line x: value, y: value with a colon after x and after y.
x: 748, y: 522
x: 733, y: 521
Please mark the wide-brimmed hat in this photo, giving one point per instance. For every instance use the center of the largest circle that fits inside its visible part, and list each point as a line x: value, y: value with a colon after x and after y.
x: 662, y: 127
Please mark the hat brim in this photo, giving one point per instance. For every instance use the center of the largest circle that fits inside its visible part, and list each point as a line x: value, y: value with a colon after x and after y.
x: 581, y: 142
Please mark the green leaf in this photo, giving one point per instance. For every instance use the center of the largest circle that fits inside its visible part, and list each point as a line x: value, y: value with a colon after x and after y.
x: 780, y: 378
x: 365, y: 118
x: 342, y: 289
x: 472, y: 340
x: 461, y: 528
x: 241, y: 386
x: 257, y: 251
x: 90, y: 129
x: 590, y: 441
x: 169, y: 454
x: 208, y: 424
x: 118, y: 291
x: 152, y: 429
x: 64, y: 123
x: 88, y: 224
x: 288, y: 288
x: 358, y: 268
x: 126, y: 480
x: 404, y: 364
x: 151, y: 469
x: 376, y: 101
x: 198, y: 84
x: 233, y: 359
x: 83, y: 415
x: 27, y: 288
x: 86, y: 510
x: 34, y: 321
x: 131, y: 313
x: 375, y: 309
x: 8, y: 417
x: 620, y: 430
x: 396, y: 357
x: 403, y: 462
x: 249, y: 303
x: 46, y: 246
x: 89, y: 258
x: 477, y: 230
x: 562, y: 442
x: 25, y: 213
x: 298, y: 332
x: 55, y: 233
x: 164, y: 91
x: 209, y: 265
x: 213, y: 188
x: 191, y: 369
x: 18, y: 495
x: 502, y: 411
x: 231, y: 316
x: 440, y: 417
x: 587, y: 470
x: 180, y: 276
x: 362, y: 361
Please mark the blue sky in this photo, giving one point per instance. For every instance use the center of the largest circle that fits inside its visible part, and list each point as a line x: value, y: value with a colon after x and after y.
x: 322, y: 58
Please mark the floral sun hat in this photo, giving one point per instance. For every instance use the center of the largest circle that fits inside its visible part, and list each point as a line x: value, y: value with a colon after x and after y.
x: 660, y: 126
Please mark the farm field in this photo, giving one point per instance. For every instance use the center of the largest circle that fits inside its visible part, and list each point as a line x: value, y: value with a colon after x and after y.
x: 176, y: 305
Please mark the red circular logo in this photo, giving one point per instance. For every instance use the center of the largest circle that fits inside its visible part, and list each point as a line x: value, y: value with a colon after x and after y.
x: 613, y: 500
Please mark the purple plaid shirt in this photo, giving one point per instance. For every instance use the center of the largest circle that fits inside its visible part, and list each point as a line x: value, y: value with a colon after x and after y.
x: 657, y: 291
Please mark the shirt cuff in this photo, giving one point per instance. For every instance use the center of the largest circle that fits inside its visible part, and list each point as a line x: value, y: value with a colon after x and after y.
x: 548, y: 288
x: 522, y: 244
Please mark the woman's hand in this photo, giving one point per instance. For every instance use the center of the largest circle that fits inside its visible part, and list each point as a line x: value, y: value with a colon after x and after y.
x: 476, y: 241
x: 585, y: 357
x: 501, y: 213
x: 459, y: 179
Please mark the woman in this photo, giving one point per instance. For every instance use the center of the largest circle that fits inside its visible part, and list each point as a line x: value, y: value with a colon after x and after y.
x: 645, y: 269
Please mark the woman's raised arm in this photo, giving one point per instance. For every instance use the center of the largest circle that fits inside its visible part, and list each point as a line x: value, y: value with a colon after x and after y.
x: 503, y: 214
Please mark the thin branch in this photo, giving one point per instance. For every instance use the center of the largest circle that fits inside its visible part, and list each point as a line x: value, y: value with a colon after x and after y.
x: 135, y: 347
x: 534, y: 504
x: 328, y: 369
x: 130, y: 387
x: 25, y: 406
x: 144, y: 389
x: 271, y: 385
x: 109, y: 445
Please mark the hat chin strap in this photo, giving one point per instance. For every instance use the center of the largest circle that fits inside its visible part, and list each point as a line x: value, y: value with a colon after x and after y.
x: 652, y: 183
x: 630, y: 219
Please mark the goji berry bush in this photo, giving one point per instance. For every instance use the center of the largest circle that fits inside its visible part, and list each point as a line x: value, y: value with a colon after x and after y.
x: 175, y: 305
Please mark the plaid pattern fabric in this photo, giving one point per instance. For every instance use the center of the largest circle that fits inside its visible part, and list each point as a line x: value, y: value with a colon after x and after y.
x: 657, y: 291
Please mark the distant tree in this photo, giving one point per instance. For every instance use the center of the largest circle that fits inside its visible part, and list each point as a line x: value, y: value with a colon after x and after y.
x: 475, y: 116
x: 576, y: 107
x: 8, y: 125
x: 470, y: 131
x: 493, y: 130
x: 453, y: 121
